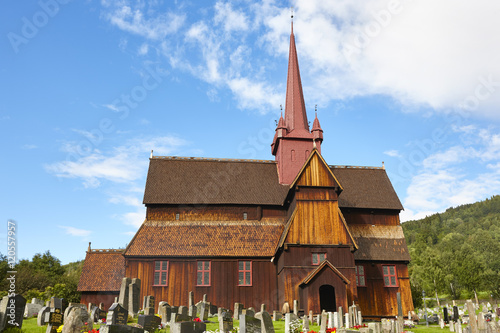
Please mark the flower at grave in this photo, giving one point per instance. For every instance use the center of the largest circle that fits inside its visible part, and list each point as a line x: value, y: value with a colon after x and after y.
x: 311, y: 331
x: 331, y: 330
x: 59, y: 329
x: 197, y: 319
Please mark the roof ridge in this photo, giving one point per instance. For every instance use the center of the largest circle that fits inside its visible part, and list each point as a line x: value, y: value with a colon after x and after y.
x: 107, y: 251
x: 274, y: 222
x: 356, y: 167
x: 213, y: 159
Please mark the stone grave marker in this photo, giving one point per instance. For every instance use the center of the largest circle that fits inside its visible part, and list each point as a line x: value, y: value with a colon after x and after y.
x: 330, y: 320
x: 266, y: 322
x: 340, y: 316
x: 498, y: 312
x: 40, y: 321
x: 277, y: 315
x: 12, y: 311
x: 295, y: 307
x: 188, y: 327
x: 77, y: 321
x: 38, y: 301
x: 445, y: 315
x: 95, y: 315
x: 481, y: 323
x: 225, y: 318
x: 31, y: 309
x: 249, y: 312
x: 249, y: 324
x: 212, y: 309
x: 55, y: 319
x: 472, y: 317
x: 64, y: 304
x: 164, y: 311
x: 263, y: 307
x: 134, y: 290
x: 305, y: 324
x: 364, y: 330
x: 182, y: 310
x: 238, y: 308
x: 190, y: 299
x: 203, y: 312
x: 117, y: 315
x: 347, y: 320
x: 144, y: 302
x: 400, y: 318
x: 285, y: 308
x: 149, y: 308
x: 204, y: 297
x: 311, y: 316
x: 324, y: 321
x: 150, y: 323
x: 192, y: 311
x: 124, y: 292
x: 336, y: 320
x: 178, y: 317
x: 456, y: 315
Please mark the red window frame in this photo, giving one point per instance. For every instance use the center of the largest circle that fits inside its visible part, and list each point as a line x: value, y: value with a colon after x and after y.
x: 360, y: 275
x: 202, y: 272
x: 316, y: 258
x: 390, y: 275
x: 161, y: 273
x: 244, y: 273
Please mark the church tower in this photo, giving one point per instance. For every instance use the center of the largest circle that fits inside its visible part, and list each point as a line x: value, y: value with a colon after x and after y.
x: 293, y: 141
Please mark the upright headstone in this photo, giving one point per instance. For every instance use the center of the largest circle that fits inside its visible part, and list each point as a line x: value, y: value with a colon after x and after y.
x: 341, y: 317
x: 41, y: 321
x: 481, y: 323
x: 32, y: 309
x: 305, y: 324
x: 225, y: 318
x: 237, y: 310
x: 330, y: 320
x: 124, y: 293
x: 164, y: 311
x: 204, y: 297
x: 192, y: 311
x: 188, y: 327
x: 311, y: 316
x: 203, y: 313
x: 346, y: 324
x: 150, y: 323
x: 12, y: 311
x: 134, y: 290
x: 117, y: 315
x: 190, y: 299
x: 77, y: 321
x: 445, y: 315
x: 285, y: 308
x: 324, y: 320
x: 249, y: 312
x: 55, y: 317
x: 360, y: 318
x: 336, y: 320
x: 266, y: 322
x: 277, y: 316
x: 95, y: 314
x: 400, y: 323
x: 249, y: 324
x: 295, y: 307
x: 149, y: 308
x: 183, y: 310
x: 472, y: 317
x: 456, y: 315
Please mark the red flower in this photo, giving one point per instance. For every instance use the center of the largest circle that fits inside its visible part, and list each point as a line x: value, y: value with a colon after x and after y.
x: 197, y: 319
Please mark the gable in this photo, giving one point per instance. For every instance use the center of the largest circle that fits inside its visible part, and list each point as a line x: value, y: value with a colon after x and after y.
x: 316, y: 172
x: 325, y: 265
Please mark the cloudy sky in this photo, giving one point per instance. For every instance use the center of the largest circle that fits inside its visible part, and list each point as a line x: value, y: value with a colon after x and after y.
x: 89, y: 88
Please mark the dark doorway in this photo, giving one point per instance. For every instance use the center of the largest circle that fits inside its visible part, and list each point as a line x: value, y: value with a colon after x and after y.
x: 327, y: 298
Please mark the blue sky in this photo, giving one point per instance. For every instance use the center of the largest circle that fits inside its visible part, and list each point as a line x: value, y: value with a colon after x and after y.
x: 88, y: 88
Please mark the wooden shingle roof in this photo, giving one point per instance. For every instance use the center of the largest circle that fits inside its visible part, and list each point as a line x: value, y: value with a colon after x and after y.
x: 174, y: 180
x: 180, y: 180
x: 206, y: 238
x: 380, y: 242
x: 102, y: 270
x: 366, y: 188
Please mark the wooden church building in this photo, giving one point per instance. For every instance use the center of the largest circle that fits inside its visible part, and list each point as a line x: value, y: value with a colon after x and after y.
x: 253, y: 231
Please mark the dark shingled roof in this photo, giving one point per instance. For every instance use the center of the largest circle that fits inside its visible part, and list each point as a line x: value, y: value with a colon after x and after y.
x: 206, y: 238
x: 382, y: 249
x: 174, y: 180
x: 366, y: 188
x: 102, y: 270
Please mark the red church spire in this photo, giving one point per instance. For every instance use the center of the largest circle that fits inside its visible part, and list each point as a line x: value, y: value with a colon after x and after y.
x: 293, y: 142
x: 295, y: 109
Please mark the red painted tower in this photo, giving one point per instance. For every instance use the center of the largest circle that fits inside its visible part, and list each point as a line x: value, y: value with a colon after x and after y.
x: 293, y: 142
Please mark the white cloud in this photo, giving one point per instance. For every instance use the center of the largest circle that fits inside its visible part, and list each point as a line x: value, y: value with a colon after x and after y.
x: 122, y: 164
x: 392, y: 153
x: 233, y: 20
x: 143, y: 50
x: 112, y: 107
x: 76, y: 232
x: 29, y: 146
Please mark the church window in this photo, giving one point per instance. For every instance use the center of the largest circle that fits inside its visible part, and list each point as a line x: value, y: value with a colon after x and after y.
x: 317, y: 258
x: 245, y: 216
x: 244, y: 273
x: 161, y: 273
x: 177, y: 215
x: 390, y: 277
x: 293, y: 155
x: 360, y: 276
x: 203, y: 273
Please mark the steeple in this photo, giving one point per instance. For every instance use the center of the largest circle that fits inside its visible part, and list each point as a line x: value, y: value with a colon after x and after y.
x: 293, y: 141
x: 295, y: 109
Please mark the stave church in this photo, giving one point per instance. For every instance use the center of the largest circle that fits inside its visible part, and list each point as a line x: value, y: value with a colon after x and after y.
x: 264, y: 231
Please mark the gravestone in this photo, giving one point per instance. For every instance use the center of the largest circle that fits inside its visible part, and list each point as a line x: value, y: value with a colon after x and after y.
x: 204, y: 297
x: 164, y: 311
x: 311, y: 316
x: 203, y: 311
x: 263, y: 307
x: 249, y: 324
x: 324, y: 321
x: 295, y: 307
x: 445, y: 315
x: 225, y: 318
x: 285, y: 308
x: 238, y: 308
x: 182, y: 310
x: 120, y: 329
x: 40, y: 321
x: 190, y: 299
x: 117, y: 315
x: 188, y: 327
x: 277, y: 315
x: 456, y: 315
x: 346, y: 320
x: 32, y: 309
x: 266, y: 322
x: 134, y: 290
x: 144, y: 302
x: 330, y: 320
x: 400, y: 322
x: 12, y: 311
x: 64, y: 304
x: 150, y: 323
x: 178, y: 317
x: 305, y: 324
x: 498, y: 312
x: 149, y: 305
x: 77, y: 321
x: 472, y: 317
x: 124, y: 293
x: 192, y: 311
x: 336, y: 320
x: 481, y: 323
x: 340, y: 316
x: 373, y: 327
x: 54, y: 320
x: 360, y: 318
x: 249, y: 312
x: 38, y: 301
x: 95, y: 314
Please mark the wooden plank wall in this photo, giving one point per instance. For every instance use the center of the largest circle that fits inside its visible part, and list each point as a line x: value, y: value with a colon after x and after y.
x: 376, y: 300
x: 224, y: 290
x: 107, y: 298
x: 367, y: 216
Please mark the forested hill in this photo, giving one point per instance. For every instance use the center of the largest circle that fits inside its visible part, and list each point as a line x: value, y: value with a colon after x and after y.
x: 458, y: 251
